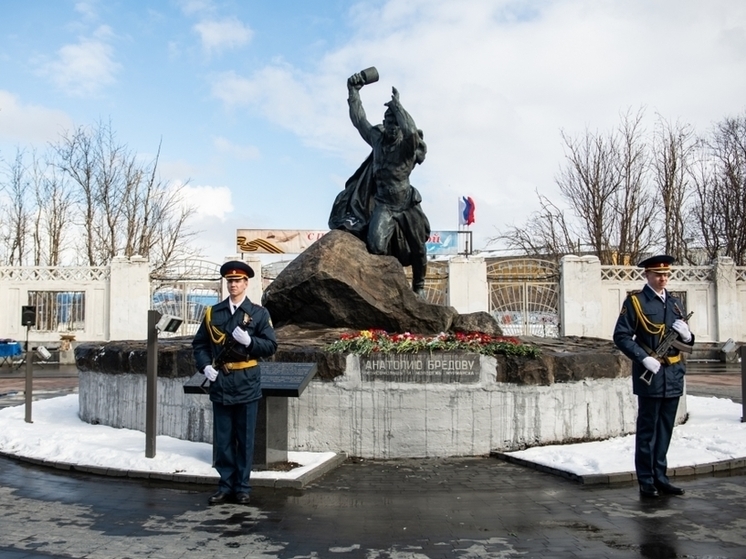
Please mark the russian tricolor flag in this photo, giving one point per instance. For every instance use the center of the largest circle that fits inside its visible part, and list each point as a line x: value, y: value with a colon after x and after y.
x: 466, y: 210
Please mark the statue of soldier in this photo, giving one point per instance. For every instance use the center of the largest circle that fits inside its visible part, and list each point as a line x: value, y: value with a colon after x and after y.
x: 378, y: 204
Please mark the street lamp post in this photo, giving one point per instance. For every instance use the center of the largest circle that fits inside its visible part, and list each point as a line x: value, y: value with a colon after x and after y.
x: 156, y: 323
x: 28, y: 319
x: 29, y: 379
x: 743, y: 383
x: 151, y: 392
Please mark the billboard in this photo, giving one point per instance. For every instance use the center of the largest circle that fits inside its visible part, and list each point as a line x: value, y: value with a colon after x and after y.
x: 275, y: 241
x: 294, y: 241
x: 442, y: 242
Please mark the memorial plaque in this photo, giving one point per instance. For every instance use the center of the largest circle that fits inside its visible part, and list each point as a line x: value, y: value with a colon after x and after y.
x: 197, y: 384
x: 286, y: 379
x: 421, y: 368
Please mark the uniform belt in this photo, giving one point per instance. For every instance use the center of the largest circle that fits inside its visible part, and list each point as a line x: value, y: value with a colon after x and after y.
x: 673, y: 359
x: 667, y: 360
x: 241, y: 365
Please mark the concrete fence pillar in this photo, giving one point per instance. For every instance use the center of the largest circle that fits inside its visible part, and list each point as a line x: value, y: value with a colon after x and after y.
x: 254, y: 291
x: 468, y: 290
x: 129, y: 298
x: 580, y: 296
x: 727, y: 315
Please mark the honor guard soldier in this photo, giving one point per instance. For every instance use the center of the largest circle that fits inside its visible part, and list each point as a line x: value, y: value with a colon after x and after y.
x: 652, y: 331
x: 234, y: 334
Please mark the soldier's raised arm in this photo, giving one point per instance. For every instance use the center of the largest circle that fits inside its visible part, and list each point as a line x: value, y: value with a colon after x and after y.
x: 357, y: 113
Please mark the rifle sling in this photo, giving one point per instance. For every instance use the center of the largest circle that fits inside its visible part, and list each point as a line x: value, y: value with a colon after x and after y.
x: 665, y: 360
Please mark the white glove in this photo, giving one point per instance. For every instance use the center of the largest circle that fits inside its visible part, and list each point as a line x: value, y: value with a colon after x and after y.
x: 651, y: 364
x: 210, y: 373
x: 241, y: 336
x: 682, y: 328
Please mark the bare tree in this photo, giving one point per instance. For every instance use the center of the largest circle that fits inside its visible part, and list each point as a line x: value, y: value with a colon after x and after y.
x: 546, y: 233
x: 673, y: 146
x: 157, y: 215
x: 720, y: 191
x: 708, y: 223
x: 634, y: 209
x: 112, y: 185
x: 74, y: 156
x: 16, y: 213
x: 54, y: 206
x: 588, y: 182
x: 126, y: 209
x: 603, y: 183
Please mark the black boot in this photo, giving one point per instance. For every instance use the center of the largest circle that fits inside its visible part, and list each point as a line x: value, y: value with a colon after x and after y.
x: 419, y: 271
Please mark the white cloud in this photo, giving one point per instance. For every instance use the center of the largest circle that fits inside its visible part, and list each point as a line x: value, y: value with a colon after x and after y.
x: 243, y: 153
x: 87, y: 8
x: 210, y: 201
x: 190, y: 7
x: 174, y: 169
x: 222, y: 35
x: 84, y: 68
x: 492, y: 84
x: 303, y: 103
x: 22, y: 124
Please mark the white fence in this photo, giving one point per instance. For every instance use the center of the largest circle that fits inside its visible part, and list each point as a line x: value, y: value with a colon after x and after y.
x: 114, y: 299
x: 109, y: 302
x: 592, y: 294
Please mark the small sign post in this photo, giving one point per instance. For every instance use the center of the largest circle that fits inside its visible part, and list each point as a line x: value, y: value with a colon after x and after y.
x: 28, y: 319
x: 743, y: 383
x: 151, y: 392
x: 157, y: 322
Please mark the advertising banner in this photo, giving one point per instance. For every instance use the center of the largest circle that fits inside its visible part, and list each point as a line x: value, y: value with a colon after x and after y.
x: 275, y: 241
x: 442, y: 242
x: 293, y: 241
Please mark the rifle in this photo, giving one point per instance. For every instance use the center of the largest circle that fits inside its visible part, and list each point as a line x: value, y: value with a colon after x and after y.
x: 660, y: 352
x: 227, y: 353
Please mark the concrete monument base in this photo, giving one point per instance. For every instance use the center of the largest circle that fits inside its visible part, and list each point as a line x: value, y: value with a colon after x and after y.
x: 394, y: 406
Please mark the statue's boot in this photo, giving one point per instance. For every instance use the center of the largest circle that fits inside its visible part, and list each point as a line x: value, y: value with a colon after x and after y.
x: 419, y: 271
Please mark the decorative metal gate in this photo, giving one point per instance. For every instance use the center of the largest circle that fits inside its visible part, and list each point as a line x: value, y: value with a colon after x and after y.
x: 524, y: 296
x: 185, y: 289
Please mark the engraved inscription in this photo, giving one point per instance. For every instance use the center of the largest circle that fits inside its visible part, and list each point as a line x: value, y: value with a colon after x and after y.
x: 421, y: 368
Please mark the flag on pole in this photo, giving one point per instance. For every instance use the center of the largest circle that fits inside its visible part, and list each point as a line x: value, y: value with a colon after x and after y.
x: 466, y: 208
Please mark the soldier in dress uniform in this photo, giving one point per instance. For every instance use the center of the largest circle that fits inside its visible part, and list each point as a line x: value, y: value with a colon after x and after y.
x: 645, y: 319
x: 232, y: 336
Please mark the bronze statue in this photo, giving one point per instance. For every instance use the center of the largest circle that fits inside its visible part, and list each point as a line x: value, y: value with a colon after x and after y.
x: 378, y: 204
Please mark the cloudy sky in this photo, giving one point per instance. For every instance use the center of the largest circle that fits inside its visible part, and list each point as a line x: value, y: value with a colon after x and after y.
x: 249, y: 98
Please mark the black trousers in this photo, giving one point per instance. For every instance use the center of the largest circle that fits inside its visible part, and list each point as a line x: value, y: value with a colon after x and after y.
x: 233, y: 444
x: 655, y: 421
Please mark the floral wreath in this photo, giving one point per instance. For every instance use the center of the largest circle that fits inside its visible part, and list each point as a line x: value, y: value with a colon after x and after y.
x: 366, y: 342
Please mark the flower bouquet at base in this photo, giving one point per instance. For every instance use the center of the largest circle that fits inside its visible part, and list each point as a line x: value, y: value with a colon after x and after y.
x: 367, y: 342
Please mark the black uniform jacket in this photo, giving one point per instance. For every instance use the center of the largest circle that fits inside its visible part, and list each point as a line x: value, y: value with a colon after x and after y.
x: 630, y: 335
x: 242, y: 385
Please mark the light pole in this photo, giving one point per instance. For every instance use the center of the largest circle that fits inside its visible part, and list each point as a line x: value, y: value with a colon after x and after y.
x: 28, y: 319
x: 743, y: 384
x: 156, y: 323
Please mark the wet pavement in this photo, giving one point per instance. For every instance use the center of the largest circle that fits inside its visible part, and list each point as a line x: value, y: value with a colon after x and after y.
x: 466, y: 508
x: 720, y: 380
x: 49, y: 381
x: 413, y: 509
